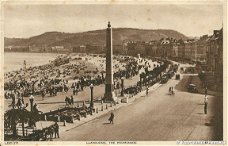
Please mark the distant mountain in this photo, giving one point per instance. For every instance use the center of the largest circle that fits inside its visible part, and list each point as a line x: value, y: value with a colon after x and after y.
x: 93, y: 37
x: 9, y: 41
x: 40, y: 40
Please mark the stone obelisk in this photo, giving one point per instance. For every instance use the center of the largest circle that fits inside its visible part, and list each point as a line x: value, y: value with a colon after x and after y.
x: 108, y: 96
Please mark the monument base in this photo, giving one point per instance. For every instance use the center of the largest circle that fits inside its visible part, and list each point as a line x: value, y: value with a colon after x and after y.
x: 110, y: 97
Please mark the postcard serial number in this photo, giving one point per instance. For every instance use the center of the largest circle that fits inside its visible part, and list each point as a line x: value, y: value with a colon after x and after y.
x: 11, y: 142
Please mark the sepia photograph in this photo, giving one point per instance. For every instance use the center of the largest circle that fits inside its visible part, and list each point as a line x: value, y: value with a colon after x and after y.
x: 113, y: 73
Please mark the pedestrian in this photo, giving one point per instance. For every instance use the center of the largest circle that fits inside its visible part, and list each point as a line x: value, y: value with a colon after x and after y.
x: 52, y: 131
x: 205, y: 99
x: 13, y: 100
x: 65, y: 88
x: 205, y: 107
x: 67, y: 100
x: 74, y: 90
x: 54, y: 91
x: 35, y: 108
x: 51, y: 91
x: 42, y: 94
x: 172, y: 90
x: 72, y: 100
x: 147, y: 90
x: 111, y: 118
x: 22, y: 100
x: 56, y: 129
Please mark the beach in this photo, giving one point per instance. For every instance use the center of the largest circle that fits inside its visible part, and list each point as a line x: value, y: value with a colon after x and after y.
x: 14, y: 61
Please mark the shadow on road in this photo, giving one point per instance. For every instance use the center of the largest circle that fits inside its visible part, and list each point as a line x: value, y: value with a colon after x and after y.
x: 106, y: 123
x: 200, y: 113
x: 200, y: 104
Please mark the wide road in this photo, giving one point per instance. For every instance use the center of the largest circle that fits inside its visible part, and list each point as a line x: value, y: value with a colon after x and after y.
x: 156, y: 117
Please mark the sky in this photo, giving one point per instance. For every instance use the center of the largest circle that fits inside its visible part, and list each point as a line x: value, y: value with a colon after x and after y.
x: 23, y: 21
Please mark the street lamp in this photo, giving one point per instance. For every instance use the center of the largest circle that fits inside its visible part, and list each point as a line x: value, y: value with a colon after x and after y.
x: 31, y: 99
x: 140, y: 81
x: 122, y: 86
x: 91, y: 102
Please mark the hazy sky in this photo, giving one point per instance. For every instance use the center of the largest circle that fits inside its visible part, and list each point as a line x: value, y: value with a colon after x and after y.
x: 30, y: 20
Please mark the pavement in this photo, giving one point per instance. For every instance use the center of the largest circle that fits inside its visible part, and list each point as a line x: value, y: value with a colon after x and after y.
x: 155, y: 117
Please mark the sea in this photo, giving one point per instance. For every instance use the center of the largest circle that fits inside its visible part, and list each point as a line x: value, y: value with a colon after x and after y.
x: 14, y: 61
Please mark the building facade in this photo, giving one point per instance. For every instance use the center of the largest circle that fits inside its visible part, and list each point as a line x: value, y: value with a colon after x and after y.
x: 151, y: 48
x: 79, y: 49
x: 95, y: 48
x: 201, y: 49
x: 190, y: 50
x: 215, y: 55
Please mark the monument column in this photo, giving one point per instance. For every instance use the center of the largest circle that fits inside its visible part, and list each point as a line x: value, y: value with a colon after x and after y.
x: 108, y: 96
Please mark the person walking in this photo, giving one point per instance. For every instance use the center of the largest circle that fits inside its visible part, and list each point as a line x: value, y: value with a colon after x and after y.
x: 147, y: 90
x: 72, y: 100
x: 170, y: 90
x: 35, y: 108
x: 19, y: 103
x: 42, y: 94
x: 74, y: 90
x: 205, y: 99
x: 205, y: 107
x: 56, y: 129
x: 111, y: 118
x: 67, y: 100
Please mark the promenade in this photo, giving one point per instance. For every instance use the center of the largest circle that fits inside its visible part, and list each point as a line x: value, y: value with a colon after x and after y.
x: 156, y: 117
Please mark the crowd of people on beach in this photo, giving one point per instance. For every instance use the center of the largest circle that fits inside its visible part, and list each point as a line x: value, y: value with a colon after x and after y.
x: 35, y: 81
x: 49, y: 79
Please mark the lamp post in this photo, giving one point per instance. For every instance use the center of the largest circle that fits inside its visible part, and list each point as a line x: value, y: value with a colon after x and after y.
x: 31, y: 99
x: 91, y: 102
x: 140, y: 81
x: 122, y: 86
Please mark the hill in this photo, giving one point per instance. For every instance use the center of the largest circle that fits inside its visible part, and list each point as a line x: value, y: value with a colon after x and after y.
x: 93, y: 37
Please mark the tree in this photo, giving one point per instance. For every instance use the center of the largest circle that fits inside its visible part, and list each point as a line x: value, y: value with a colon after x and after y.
x: 14, y: 116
